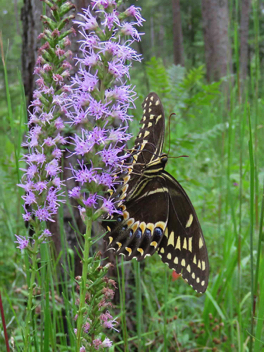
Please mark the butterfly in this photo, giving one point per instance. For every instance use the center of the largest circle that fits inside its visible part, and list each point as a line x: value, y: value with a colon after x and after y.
x: 155, y: 213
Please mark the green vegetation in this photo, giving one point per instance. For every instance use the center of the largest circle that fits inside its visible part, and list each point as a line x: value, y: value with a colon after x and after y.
x: 222, y: 135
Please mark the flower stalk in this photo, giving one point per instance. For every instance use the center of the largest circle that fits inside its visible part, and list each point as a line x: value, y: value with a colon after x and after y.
x: 83, y: 288
x: 33, y: 272
x: 99, y: 99
x: 42, y: 176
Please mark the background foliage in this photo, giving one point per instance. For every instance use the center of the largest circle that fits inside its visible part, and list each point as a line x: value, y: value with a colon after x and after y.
x: 223, y: 174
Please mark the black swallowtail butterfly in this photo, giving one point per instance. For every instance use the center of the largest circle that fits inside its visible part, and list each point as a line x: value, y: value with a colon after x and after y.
x: 157, y: 215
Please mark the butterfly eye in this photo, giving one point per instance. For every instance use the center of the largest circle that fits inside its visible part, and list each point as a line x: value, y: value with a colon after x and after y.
x: 119, y: 218
x: 164, y: 159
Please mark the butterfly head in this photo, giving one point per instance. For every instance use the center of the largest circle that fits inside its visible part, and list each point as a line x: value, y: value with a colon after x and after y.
x: 164, y: 159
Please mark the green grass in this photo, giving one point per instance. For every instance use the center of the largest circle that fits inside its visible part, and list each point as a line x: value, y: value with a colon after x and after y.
x: 224, y: 178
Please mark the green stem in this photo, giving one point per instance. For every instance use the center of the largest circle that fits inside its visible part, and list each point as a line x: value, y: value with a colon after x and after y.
x: 34, y: 268
x: 83, y: 289
x: 252, y: 197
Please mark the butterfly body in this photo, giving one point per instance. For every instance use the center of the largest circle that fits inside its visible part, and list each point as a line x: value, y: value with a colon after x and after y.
x: 157, y: 215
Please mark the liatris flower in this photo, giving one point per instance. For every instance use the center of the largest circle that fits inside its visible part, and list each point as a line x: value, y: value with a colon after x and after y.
x: 100, y: 98
x: 97, y: 302
x: 41, y: 181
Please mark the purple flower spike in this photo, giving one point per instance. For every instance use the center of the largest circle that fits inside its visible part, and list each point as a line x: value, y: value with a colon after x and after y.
x: 107, y: 342
x: 135, y: 12
x: 99, y: 99
x: 41, y: 181
x: 75, y: 192
x: 91, y: 201
x: 22, y: 241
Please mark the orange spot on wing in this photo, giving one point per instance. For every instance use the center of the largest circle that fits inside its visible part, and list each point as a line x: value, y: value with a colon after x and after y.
x: 175, y: 276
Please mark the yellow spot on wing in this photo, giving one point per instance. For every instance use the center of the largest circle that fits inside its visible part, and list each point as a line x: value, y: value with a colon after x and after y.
x: 119, y: 245
x: 190, y: 244
x: 194, y: 259
x: 109, y: 229
x: 160, y: 224
x: 199, y: 264
x: 129, y: 250
x: 151, y: 117
x: 130, y: 222
x: 203, y: 265
x: 190, y: 220
x: 158, y: 118
x: 146, y: 134
x: 184, y: 243
x: 150, y: 226
x: 162, y: 250
x: 140, y: 250
x: 169, y: 256
x: 149, y: 124
x: 178, y: 244
x: 188, y: 268
x: 144, y: 118
x: 126, y: 215
x: 193, y: 275
x: 166, y: 232
x: 183, y: 262
x: 149, y: 110
x: 200, y: 242
x: 171, y: 239
x: 124, y: 189
x: 198, y: 280
x: 157, y: 102
x: 110, y: 240
x: 142, y: 226
x: 176, y: 260
x: 154, y: 244
x: 202, y: 283
x: 126, y: 178
x: 135, y: 226
x: 151, y: 98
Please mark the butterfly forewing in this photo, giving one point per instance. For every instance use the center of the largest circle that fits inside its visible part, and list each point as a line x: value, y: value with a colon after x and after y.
x: 148, y: 145
x: 156, y: 212
x: 148, y: 139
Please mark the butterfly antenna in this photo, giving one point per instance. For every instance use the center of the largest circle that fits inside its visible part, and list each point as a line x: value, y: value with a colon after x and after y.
x: 176, y: 157
x: 169, y: 131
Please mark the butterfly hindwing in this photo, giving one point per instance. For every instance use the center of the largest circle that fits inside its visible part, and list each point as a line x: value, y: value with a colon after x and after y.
x: 183, y: 246
x: 138, y: 231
